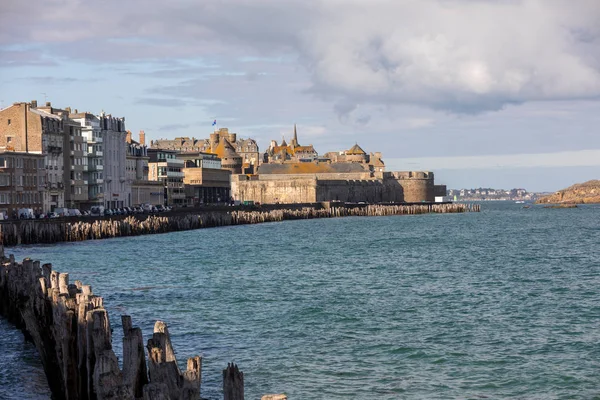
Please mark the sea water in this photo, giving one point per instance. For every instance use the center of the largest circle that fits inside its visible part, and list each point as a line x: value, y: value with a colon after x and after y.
x: 499, y: 304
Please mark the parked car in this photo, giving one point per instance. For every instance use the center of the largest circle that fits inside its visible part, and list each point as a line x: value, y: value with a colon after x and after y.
x: 97, y: 211
x: 26, y: 213
x: 53, y: 215
x: 108, y: 212
x: 160, y: 208
x: 73, y: 212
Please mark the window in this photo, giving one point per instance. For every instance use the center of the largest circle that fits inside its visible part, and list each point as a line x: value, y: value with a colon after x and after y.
x: 8, y: 139
x: 9, y: 121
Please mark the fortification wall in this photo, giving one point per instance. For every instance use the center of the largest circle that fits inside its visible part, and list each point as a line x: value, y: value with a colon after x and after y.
x: 417, y: 186
x: 405, y: 186
x: 353, y: 191
x: 275, y: 191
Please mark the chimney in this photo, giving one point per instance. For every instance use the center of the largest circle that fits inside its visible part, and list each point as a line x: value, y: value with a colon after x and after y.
x: 128, y: 137
x: 142, y: 138
x: 33, y: 103
x: 48, y: 104
x: 68, y: 109
x: 76, y: 111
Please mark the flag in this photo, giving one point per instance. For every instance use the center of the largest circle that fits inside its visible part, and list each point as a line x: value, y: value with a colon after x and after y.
x: 214, y: 122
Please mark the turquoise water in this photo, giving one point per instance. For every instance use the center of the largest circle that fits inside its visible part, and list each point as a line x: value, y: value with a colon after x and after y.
x: 499, y: 304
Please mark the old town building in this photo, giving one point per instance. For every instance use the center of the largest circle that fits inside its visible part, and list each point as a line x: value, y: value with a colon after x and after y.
x: 237, y: 154
x: 289, y: 153
x: 22, y: 182
x: 74, y: 161
x: 143, y: 191
x: 205, y: 181
x: 24, y: 128
x: 166, y: 168
x: 94, y: 156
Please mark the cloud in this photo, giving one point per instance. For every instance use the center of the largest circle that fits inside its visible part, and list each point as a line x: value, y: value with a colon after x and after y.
x: 173, y: 127
x: 459, y: 56
x: 418, y: 123
x: 161, y: 102
x: 52, y: 80
x: 363, y: 120
x: 582, y: 158
x: 21, y: 58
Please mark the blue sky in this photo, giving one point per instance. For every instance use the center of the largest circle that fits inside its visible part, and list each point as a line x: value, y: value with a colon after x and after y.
x: 484, y: 93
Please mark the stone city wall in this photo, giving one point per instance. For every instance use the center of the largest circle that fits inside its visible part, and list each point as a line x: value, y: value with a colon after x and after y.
x: 275, y: 191
x: 409, y: 187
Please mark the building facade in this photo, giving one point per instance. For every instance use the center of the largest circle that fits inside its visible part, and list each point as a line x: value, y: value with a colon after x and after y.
x: 243, y: 155
x: 165, y: 167
x: 74, y: 158
x: 292, y: 152
x: 117, y: 190
x: 204, y: 179
x: 22, y: 182
x: 143, y: 191
x: 24, y: 128
x: 93, y: 171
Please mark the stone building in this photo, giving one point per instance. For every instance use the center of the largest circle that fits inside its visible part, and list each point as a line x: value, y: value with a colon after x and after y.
x: 166, y: 168
x: 26, y: 129
x: 356, y: 155
x: 117, y: 190
x: 104, y: 138
x: 22, y: 182
x: 352, y: 175
x: 143, y: 191
x: 289, y: 153
x: 205, y: 181
x: 74, y: 160
x: 243, y: 154
x: 94, y: 167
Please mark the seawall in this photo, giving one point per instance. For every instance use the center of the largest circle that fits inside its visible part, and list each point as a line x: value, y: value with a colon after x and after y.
x: 70, y: 328
x: 71, y: 230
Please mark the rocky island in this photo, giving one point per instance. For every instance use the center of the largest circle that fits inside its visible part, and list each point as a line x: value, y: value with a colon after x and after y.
x: 580, y: 193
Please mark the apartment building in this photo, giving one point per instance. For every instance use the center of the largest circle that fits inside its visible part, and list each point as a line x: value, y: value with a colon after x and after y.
x: 93, y: 169
x: 165, y: 167
x: 143, y: 191
x: 74, y: 158
x: 204, y: 179
x: 117, y: 190
x: 22, y: 182
x: 26, y: 129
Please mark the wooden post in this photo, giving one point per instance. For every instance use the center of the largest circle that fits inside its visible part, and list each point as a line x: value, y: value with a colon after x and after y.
x: 233, y: 383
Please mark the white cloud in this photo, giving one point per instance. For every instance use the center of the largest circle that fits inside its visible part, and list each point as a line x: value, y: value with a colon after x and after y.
x: 583, y: 158
x: 464, y: 56
x: 418, y: 123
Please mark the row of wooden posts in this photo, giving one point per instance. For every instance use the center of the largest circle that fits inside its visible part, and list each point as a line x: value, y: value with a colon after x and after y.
x: 71, y: 330
x: 52, y: 231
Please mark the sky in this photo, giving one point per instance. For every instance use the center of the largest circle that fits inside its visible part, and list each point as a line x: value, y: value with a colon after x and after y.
x: 485, y: 93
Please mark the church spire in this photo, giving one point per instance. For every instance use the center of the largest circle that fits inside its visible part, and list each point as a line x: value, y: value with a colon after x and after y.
x: 295, y: 140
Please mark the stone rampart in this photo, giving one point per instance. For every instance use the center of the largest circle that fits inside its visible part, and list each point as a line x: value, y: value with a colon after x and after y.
x: 405, y: 186
x: 417, y: 186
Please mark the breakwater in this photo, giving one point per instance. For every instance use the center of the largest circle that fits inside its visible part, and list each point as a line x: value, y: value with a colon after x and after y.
x: 71, y: 331
x: 53, y: 231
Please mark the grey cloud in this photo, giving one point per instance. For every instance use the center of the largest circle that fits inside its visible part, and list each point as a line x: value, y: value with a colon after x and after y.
x: 363, y: 120
x: 52, y: 80
x: 172, y: 102
x: 344, y: 107
x: 461, y: 56
x: 12, y: 58
x: 174, y: 127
